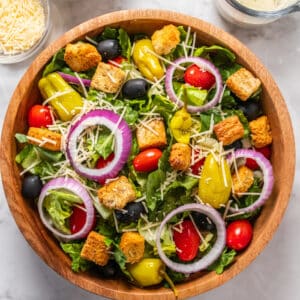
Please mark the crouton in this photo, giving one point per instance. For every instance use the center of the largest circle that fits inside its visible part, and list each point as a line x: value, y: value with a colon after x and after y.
x: 180, y: 156
x: 243, y: 84
x: 151, y: 134
x: 242, y: 180
x: 132, y: 245
x: 95, y: 249
x: 165, y: 39
x: 81, y: 56
x: 107, y: 78
x: 260, y: 132
x: 44, y: 138
x: 229, y: 130
x: 117, y: 193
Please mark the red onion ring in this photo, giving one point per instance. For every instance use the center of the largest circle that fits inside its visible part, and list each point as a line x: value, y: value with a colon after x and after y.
x: 123, y: 140
x: 74, y: 80
x: 268, y: 178
x: 76, y: 188
x: 211, y: 256
x: 203, y: 64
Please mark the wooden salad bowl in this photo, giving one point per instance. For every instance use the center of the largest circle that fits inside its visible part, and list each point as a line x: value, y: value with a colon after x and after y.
x: 25, y: 213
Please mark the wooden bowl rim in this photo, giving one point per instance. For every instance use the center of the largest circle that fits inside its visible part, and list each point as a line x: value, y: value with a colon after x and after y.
x: 114, y: 289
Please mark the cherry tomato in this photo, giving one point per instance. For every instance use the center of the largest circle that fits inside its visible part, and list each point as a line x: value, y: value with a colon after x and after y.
x: 101, y: 163
x: 197, y: 166
x: 77, y: 219
x: 147, y: 160
x: 187, y: 240
x: 39, y: 116
x: 239, y: 234
x: 198, y: 77
x: 251, y: 163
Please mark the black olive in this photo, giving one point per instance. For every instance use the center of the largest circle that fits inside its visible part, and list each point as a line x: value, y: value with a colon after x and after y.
x: 110, y: 270
x: 135, y: 88
x: 203, y: 222
x: 235, y: 145
x: 31, y: 186
x: 109, y: 49
x: 251, y: 109
x: 131, y: 213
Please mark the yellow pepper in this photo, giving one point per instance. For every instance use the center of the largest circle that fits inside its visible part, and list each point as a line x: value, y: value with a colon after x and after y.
x: 180, y: 126
x: 66, y: 105
x: 150, y: 271
x: 215, y: 182
x: 147, y: 63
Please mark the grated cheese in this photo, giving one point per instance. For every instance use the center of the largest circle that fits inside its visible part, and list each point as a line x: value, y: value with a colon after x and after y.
x: 22, y: 24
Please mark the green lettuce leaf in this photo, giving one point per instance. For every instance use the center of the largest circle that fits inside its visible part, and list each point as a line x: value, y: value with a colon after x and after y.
x: 155, y: 179
x: 21, y: 138
x: 73, y: 249
x: 57, y: 63
x: 125, y: 44
x: 220, y: 55
x: 108, y: 33
x: 104, y: 145
x: 59, y: 212
x: 226, y: 258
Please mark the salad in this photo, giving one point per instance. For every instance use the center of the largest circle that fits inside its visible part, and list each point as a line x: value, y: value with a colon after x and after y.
x: 148, y: 156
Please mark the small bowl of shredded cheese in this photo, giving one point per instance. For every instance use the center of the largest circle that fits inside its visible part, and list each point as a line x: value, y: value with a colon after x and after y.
x: 24, y: 27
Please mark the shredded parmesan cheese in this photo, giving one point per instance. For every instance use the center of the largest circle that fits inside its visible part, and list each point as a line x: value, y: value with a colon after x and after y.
x: 22, y: 24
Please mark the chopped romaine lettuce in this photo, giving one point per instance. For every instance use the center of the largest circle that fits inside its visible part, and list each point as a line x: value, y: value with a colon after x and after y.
x: 73, y: 249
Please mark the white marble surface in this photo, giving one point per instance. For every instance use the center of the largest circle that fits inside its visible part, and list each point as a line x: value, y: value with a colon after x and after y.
x: 275, y: 274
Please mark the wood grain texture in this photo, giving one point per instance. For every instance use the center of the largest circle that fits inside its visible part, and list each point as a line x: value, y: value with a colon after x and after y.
x: 26, y: 217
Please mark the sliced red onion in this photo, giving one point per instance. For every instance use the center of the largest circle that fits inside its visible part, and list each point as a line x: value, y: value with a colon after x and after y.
x: 74, y: 80
x: 203, y: 64
x: 268, y: 178
x: 123, y: 139
x: 211, y: 256
x: 76, y: 188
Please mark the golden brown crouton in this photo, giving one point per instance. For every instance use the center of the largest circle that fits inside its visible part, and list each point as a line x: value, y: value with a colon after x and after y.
x: 151, y: 134
x: 180, y: 156
x: 243, y: 84
x: 44, y: 138
x: 165, y: 39
x: 108, y: 78
x: 132, y: 245
x: 94, y: 249
x: 242, y: 180
x: 260, y: 132
x: 81, y: 56
x: 229, y: 130
x: 117, y: 193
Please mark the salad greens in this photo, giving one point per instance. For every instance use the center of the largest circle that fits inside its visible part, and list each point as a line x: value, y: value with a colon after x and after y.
x: 159, y: 190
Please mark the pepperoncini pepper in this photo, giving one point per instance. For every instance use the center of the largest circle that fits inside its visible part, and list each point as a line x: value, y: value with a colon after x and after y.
x: 215, y: 181
x: 66, y: 105
x: 147, y: 63
x: 150, y: 271
x: 180, y: 126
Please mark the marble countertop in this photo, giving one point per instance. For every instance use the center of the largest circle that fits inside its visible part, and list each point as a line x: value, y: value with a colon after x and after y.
x: 275, y: 274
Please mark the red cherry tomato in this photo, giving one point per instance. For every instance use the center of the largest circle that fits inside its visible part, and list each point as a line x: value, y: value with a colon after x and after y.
x: 77, y: 219
x: 197, y: 166
x: 147, y: 160
x: 197, y: 77
x: 39, y: 116
x: 239, y: 234
x: 251, y: 163
x: 101, y: 163
x: 187, y: 240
